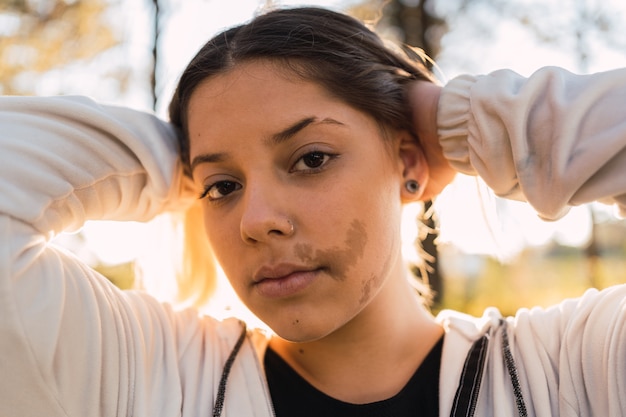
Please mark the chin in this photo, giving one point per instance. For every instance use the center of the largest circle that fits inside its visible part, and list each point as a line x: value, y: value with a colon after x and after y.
x: 299, y: 338
x: 304, y: 322
x: 298, y: 332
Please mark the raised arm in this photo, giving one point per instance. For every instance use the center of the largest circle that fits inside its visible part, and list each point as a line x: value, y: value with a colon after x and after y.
x: 554, y: 139
x: 68, y: 339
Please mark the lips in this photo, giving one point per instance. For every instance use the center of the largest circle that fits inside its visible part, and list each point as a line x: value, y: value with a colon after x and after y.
x: 283, y: 280
x: 278, y: 271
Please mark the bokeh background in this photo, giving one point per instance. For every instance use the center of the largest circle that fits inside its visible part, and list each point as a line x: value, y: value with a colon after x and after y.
x: 485, y: 251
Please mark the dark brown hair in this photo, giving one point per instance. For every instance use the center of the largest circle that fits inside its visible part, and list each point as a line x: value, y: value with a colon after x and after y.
x: 332, y: 49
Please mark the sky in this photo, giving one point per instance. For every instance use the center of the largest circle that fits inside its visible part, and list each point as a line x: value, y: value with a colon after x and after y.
x: 485, y: 42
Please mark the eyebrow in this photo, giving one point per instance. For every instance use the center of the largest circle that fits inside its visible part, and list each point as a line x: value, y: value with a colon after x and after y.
x: 275, y: 139
x: 291, y: 131
x: 207, y: 158
x: 295, y: 128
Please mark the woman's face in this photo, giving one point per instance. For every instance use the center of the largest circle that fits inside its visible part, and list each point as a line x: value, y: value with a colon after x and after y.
x: 301, y: 198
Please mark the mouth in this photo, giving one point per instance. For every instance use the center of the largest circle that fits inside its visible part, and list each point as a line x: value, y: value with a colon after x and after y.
x: 284, y: 280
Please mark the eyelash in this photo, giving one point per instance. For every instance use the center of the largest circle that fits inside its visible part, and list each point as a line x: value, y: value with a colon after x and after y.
x: 312, y: 170
x: 326, y: 157
x: 210, y: 187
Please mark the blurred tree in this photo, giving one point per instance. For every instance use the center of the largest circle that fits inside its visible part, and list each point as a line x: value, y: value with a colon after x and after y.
x: 37, y: 36
x: 417, y: 24
x: 408, y: 22
x: 577, y: 27
x: 156, y: 35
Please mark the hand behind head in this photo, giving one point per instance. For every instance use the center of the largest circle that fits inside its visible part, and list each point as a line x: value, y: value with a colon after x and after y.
x: 424, y: 98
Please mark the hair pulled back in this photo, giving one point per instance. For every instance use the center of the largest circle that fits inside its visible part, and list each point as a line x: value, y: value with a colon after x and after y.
x: 332, y: 49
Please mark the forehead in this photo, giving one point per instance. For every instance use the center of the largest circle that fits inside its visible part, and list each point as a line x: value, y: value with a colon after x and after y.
x: 256, y: 96
x: 262, y: 80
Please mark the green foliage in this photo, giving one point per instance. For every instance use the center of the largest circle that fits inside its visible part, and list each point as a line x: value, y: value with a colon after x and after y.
x: 537, y: 277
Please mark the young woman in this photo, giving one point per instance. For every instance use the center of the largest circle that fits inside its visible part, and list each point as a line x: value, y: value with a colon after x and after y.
x: 298, y: 136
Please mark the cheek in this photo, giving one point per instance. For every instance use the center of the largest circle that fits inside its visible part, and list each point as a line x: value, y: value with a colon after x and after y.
x: 222, y: 236
x: 384, y: 214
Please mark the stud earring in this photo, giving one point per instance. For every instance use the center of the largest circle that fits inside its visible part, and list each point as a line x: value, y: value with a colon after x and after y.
x: 412, y: 186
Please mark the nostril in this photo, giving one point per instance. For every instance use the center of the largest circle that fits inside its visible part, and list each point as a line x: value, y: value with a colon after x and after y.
x: 282, y: 228
x: 272, y: 227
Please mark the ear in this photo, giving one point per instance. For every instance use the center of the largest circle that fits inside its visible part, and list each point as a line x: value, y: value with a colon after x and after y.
x: 414, y: 167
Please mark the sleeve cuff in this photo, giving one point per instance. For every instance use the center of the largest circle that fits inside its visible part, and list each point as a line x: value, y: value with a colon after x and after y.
x: 453, y: 122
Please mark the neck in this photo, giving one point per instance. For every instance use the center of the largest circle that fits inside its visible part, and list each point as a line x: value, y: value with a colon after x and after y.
x: 385, y: 343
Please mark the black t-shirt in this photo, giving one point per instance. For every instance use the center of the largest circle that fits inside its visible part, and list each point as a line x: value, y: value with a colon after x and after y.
x: 293, y: 396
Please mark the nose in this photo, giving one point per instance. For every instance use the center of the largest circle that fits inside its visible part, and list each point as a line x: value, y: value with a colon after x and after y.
x: 264, y: 216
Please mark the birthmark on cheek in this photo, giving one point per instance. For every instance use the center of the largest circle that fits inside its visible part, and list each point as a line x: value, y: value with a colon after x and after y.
x: 366, y: 289
x: 340, y: 259
x: 372, y: 283
x: 304, y: 252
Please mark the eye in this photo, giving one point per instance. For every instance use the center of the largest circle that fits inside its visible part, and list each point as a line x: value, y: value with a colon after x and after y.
x: 311, y: 161
x: 219, y: 190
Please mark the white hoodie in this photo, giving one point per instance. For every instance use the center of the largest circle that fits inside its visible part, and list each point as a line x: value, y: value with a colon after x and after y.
x: 71, y: 344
